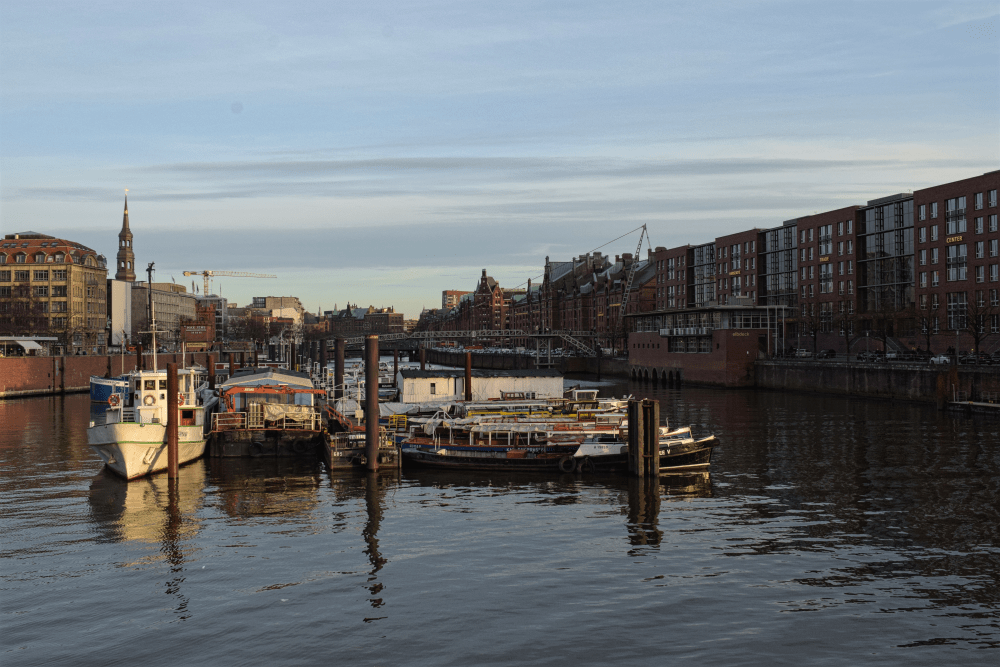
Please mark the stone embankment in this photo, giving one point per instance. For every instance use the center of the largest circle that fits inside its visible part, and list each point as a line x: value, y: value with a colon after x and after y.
x: 29, y: 376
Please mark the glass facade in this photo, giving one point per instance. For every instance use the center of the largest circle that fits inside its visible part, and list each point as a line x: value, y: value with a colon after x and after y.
x: 885, y: 256
x: 779, y: 267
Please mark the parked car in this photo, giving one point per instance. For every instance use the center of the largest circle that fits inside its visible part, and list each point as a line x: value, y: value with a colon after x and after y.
x: 981, y: 358
x: 826, y: 354
x: 802, y: 352
x: 875, y: 355
x: 940, y: 359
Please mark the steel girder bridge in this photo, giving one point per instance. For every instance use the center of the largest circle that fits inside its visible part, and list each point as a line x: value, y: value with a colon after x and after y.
x: 571, y: 338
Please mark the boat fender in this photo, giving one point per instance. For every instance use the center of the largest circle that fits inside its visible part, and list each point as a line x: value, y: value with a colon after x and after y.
x: 567, y: 464
x: 586, y: 465
x: 256, y: 449
x: 114, y: 400
x: 180, y: 398
x: 149, y: 399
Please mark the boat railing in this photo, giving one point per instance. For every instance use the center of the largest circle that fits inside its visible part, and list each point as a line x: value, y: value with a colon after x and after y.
x: 234, y: 421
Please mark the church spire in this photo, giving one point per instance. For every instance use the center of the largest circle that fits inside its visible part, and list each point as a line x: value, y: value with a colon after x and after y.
x: 126, y: 257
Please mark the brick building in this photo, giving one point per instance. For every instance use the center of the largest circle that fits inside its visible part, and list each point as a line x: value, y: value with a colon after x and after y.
x: 54, y: 287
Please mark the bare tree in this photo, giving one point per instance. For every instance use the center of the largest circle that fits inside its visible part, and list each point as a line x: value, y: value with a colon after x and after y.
x: 980, y: 313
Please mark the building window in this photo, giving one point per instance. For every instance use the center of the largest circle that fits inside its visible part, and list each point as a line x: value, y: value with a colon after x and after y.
x: 59, y: 290
x: 979, y: 200
x: 993, y: 223
x: 923, y: 302
x: 980, y: 274
x: 923, y: 211
x: 956, y: 259
x: 923, y: 257
x: 850, y: 225
x: 934, y: 210
x: 58, y: 275
x: 934, y: 232
x: 840, y: 268
x: 935, y: 279
x: 850, y: 247
x: 41, y: 275
x: 850, y: 267
x: 992, y: 197
x: 810, y: 248
x: 955, y: 215
x: 433, y: 388
x: 957, y: 305
x: 934, y: 255
x: 840, y: 247
x: 923, y: 235
x: 840, y: 287
x: 994, y: 273
x: 994, y: 297
x: 21, y: 276
x: 923, y: 279
x: 979, y: 225
x: 994, y: 243
x: 4, y: 276
x: 20, y: 258
x: 850, y: 287
x: 980, y: 249
x: 40, y: 258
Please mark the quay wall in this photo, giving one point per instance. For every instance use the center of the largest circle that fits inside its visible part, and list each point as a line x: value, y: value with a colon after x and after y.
x: 897, y: 381
x: 911, y: 382
x: 29, y: 376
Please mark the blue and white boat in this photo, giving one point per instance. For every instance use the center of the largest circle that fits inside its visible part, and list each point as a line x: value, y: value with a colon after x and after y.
x: 101, y: 388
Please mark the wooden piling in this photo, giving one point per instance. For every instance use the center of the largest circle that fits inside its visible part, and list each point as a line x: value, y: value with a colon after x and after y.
x: 232, y: 364
x: 338, y: 368
x: 293, y: 363
x: 395, y: 363
x: 211, y: 371
x: 644, y: 438
x: 468, y: 376
x: 423, y: 358
x: 371, y: 402
x: 173, y: 417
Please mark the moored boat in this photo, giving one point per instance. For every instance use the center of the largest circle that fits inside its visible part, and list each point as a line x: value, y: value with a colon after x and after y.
x: 132, y: 441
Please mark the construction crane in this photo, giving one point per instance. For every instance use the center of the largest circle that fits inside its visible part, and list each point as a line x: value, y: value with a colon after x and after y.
x: 232, y: 274
x: 620, y: 325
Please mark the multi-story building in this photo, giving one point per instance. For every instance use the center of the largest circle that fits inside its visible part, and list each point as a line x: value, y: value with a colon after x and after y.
x: 172, y: 305
x: 958, y: 260
x: 451, y: 297
x: 55, y: 287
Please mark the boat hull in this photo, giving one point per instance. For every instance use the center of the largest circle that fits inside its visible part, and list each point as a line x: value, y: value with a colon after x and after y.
x: 135, y: 450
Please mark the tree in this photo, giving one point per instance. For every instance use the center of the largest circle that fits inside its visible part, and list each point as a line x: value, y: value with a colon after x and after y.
x: 980, y: 316
x: 927, y: 319
x: 22, y: 314
x: 847, y: 324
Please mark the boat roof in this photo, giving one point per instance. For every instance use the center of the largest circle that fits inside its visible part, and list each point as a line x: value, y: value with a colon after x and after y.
x: 479, y: 373
x: 255, y: 377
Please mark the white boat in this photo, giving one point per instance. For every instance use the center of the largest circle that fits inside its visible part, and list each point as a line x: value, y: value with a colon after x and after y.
x: 132, y: 441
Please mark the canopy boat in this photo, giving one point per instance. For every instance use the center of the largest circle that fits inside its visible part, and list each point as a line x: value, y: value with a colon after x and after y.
x: 267, y: 412
x: 132, y: 441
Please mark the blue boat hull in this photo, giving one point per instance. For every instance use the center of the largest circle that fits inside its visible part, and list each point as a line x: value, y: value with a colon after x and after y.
x: 102, y: 388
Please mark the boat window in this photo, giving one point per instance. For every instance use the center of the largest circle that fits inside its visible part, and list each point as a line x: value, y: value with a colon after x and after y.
x: 163, y: 384
x: 150, y: 385
x: 138, y: 385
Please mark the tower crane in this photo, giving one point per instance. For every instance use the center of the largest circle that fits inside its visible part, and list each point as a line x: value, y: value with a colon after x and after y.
x: 232, y: 274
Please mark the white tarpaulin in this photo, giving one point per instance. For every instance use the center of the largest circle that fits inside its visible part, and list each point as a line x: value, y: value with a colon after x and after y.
x: 277, y: 411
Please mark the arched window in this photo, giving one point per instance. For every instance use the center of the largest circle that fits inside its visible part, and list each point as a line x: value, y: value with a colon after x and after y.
x: 3, y: 258
x: 20, y: 258
x: 60, y: 257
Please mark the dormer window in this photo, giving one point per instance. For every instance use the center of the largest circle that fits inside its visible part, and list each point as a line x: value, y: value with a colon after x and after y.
x: 40, y: 258
x: 3, y: 258
x: 60, y: 257
x: 20, y: 258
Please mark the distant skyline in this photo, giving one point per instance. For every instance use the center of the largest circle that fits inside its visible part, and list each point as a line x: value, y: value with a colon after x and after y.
x: 383, y: 152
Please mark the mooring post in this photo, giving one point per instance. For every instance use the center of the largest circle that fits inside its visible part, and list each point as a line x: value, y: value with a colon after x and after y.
x: 232, y: 364
x: 644, y: 438
x: 338, y: 368
x: 173, y: 416
x: 371, y: 401
x: 468, y: 376
x: 395, y: 363
x: 423, y: 358
x: 211, y: 371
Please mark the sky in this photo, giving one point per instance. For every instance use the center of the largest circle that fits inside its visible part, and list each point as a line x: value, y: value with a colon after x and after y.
x: 380, y: 152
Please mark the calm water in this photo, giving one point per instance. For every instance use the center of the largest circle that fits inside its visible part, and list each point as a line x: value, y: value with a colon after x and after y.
x: 829, y: 531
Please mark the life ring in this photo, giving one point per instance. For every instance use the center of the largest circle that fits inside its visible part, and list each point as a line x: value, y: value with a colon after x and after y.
x: 586, y: 466
x: 149, y: 400
x: 567, y: 464
x: 180, y: 398
x: 114, y: 400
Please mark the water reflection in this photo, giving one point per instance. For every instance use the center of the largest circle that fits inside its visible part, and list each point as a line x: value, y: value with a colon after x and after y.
x: 373, y: 487
x: 643, y: 512
x: 153, y: 510
x: 266, y: 487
